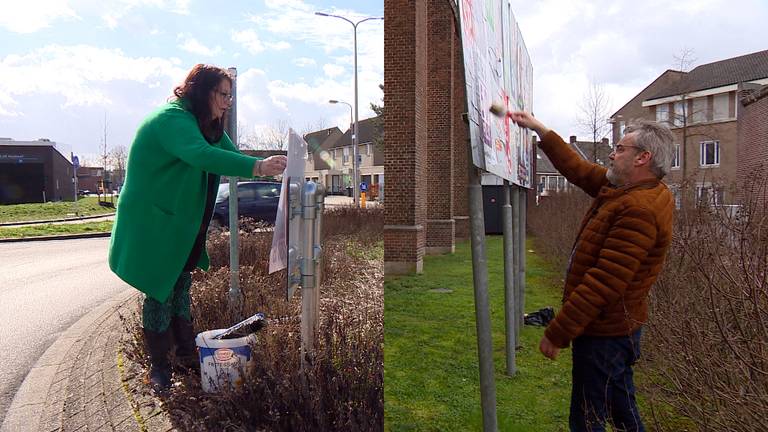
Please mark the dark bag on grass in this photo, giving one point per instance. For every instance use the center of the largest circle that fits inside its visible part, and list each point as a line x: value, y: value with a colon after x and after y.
x: 541, y: 317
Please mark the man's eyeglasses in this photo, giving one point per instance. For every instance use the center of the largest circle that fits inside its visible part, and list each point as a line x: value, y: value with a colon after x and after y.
x: 225, y: 95
x: 621, y: 147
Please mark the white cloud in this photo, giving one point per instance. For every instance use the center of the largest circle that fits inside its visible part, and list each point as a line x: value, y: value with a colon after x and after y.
x: 332, y: 70
x: 278, y: 46
x: 78, y: 74
x: 304, y: 61
x: 30, y: 16
x: 249, y: 39
x: 295, y: 20
x: 192, y: 45
x: 115, y: 10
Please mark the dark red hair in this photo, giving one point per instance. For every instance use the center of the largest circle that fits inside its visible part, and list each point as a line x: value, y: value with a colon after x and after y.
x: 196, y: 90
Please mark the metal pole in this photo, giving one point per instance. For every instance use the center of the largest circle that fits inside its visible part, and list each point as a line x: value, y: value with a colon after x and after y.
x: 518, y: 310
x: 482, y: 308
x: 521, y: 298
x: 355, y: 138
x: 309, y: 290
x: 234, y: 228
x: 509, y: 280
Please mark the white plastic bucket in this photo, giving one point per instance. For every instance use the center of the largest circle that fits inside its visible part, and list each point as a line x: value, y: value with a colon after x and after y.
x: 223, y: 362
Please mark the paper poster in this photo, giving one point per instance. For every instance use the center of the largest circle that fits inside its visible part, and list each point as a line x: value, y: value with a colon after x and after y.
x: 297, y: 151
x: 497, y: 70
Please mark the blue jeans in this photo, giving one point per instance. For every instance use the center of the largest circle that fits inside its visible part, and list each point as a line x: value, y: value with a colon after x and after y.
x: 603, y: 390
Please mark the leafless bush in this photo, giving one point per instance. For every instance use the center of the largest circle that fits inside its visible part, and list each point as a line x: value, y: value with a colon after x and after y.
x: 555, y: 223
x: 342, y: 388
x: 708, y: 350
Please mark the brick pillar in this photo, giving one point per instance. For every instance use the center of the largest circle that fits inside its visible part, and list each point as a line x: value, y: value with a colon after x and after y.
x: 405, y: 139
x: 439, y: 176
x: 459, y: 139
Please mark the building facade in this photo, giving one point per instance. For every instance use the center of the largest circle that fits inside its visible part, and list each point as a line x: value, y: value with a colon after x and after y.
x: 330, y: 158
x: 701, y: 109
x: 34, y: 172
x: 752, y: 158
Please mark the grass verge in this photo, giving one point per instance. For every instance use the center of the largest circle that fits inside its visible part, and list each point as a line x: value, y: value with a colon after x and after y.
x: 430, y: 356
x: 87, y: 206
x: 55, y: 229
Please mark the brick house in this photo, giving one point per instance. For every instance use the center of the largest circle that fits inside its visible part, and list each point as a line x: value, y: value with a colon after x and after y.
x: 90, y: 178
x: 550, y: 181
x: 701, y: 108
x: 329, y: 157
x: 319, y: 161
x: 752, y: 157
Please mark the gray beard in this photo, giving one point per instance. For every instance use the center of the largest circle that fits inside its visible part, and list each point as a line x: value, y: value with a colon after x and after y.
x: 612, y: 177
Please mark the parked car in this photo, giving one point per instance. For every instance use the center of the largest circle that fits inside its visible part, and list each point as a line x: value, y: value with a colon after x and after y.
x: 255, y: 199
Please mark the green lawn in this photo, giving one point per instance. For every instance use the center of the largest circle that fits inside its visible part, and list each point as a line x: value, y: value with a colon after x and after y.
x: 431, y: 373
x: 55, y: 229
x: 87, y: 206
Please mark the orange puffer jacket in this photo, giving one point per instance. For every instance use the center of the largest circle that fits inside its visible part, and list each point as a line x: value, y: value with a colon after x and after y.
x: 618, y: 254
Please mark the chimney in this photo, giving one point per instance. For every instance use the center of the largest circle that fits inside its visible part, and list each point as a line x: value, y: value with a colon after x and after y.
x: 572, y: 139
x: 604, y: 141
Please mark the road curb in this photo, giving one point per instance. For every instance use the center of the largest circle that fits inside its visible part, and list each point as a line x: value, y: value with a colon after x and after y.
x: 39, y: 222
x: 56, y: 237
x: 42, y: 388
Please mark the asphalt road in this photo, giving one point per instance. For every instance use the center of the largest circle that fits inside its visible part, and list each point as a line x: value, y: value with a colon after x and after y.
x: 44, y: 288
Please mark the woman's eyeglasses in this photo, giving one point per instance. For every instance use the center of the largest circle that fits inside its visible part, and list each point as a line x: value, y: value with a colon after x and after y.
x: 225, y: 95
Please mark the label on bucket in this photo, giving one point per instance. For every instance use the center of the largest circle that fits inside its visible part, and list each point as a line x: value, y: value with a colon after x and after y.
x: 223, y: 367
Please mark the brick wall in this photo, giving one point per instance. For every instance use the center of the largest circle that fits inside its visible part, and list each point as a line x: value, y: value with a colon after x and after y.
x: 439, y: 178
x: 459, y: 139
x: 753, y: 141
x: 426, y: 137
x: 404, y: 42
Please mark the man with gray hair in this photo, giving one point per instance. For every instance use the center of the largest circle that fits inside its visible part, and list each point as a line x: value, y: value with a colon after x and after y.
x: 617, y: 256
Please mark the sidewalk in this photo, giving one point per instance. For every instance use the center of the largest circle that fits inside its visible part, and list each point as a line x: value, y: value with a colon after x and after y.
x: 84, y: 382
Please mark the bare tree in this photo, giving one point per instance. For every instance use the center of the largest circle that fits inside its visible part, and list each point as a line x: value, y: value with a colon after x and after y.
x: 594, y: 114
x: 118, y: 157
x: 274, y: 137
x: 378, y: 122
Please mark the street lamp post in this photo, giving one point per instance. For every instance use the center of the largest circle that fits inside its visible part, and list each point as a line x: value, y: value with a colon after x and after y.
x: 356, y: 168
x: 351, y: 125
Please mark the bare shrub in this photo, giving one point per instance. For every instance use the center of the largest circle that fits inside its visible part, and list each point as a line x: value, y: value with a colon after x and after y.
x: 342, y: 388
x: 708, y: 350
x: 705, y: 347
x: 555, y: 223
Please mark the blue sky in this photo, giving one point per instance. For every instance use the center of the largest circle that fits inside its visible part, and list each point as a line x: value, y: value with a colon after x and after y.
x: 66, y: 64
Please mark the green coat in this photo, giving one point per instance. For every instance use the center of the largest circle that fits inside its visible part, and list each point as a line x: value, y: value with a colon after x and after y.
x: 162, y: 201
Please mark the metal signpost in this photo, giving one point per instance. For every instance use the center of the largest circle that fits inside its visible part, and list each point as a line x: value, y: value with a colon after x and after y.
x: 497, y: 70
x: 235, y: 298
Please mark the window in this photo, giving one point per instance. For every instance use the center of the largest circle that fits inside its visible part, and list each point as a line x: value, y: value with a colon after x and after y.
x: 720, y: 106
x: 553, y: 183
x: 345, y: 157
x: 676, y: 157
x: 679, y: 116
x: 710, y: 153
x: 706, y: 194
x: 622, y: 126
x: 662, y: 114
x: 675, y: 189
x: 699, y: 114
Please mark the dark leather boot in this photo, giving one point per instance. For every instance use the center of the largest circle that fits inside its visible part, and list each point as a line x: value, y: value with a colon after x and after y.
x: 186, y: 348
x: 158, y: 347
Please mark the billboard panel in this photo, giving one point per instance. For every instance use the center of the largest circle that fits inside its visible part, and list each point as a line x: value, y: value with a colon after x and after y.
x: 497, y: 70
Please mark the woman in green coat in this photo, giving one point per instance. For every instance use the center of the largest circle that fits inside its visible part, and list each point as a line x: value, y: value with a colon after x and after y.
x: 166, y: 203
